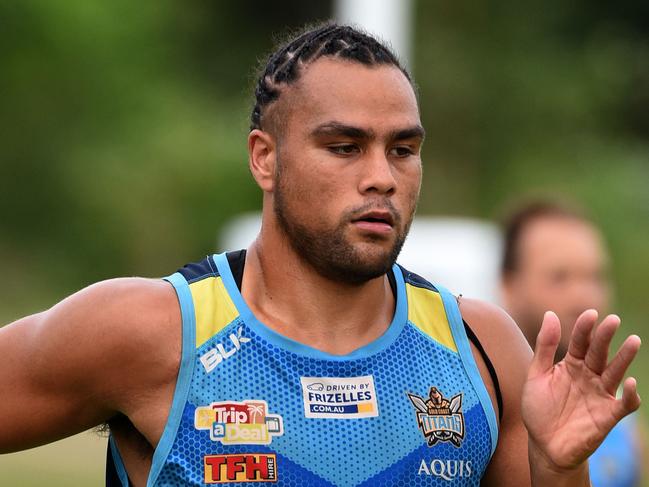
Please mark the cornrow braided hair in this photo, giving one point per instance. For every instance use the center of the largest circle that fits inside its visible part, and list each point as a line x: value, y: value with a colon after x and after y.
x: 330, y: 39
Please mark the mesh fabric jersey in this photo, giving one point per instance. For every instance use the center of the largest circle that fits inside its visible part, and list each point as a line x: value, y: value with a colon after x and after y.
x: 252, y: 406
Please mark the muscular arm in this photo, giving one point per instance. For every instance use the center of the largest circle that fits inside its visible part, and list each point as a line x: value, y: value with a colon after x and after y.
x: 110, y: 348
x: 511, y: 355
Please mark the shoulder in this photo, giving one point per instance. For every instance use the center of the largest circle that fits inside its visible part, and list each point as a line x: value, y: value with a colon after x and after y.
x: 501, y: 338
x: 113, y: 347
x: 126, y: 333
x: 117, y: 308
x: 492, y: 324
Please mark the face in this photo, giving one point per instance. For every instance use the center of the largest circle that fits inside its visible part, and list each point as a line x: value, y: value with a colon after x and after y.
x: 348, y: 168
x: 562, y: 267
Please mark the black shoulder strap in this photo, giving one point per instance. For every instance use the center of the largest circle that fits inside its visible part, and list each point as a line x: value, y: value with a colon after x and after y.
x: 492, y: 371
x: 237, y: 261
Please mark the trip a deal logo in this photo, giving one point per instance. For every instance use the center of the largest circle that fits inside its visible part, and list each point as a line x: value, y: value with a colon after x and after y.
x: 339, y: 397
x: 239, y: 423
x: 439, y: 419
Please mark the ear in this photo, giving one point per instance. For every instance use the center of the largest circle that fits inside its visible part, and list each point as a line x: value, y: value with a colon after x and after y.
x: 262, y: 156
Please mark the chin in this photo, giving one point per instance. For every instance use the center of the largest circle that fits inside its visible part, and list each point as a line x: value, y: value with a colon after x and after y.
x: 364, y: 264
x: 358, y: 272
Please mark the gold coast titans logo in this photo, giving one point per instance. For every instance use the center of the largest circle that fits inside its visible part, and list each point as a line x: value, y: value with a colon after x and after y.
x: 438, y: 418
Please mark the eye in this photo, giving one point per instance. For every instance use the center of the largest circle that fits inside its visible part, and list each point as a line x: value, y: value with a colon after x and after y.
x: 343, y: 149
x: 402, y: 151
x: 559, y: 277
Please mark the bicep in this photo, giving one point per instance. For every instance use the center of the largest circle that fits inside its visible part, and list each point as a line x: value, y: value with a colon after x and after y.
x: 509, y: 466
x: 506, y: 347
x: 47, y: 392
x: 78, y: 364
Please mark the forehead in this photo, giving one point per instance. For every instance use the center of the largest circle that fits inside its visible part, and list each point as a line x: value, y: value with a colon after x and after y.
x: 558, y: 240
x: 352, y: 93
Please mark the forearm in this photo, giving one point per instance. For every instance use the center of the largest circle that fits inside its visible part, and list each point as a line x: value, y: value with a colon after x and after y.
x: 544, y: 473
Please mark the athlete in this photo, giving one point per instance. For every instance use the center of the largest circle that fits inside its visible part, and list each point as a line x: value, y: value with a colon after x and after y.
x: 555, y: 258
x: 309, y: 358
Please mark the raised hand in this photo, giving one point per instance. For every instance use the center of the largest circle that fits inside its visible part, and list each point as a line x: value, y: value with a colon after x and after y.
x: 570, y: 407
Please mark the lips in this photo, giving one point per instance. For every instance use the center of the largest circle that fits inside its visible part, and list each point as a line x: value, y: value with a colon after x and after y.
x: 376, y: 216
x: 375, y: 221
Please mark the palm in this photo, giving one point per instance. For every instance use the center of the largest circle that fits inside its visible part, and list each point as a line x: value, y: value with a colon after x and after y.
x: 570, y: 407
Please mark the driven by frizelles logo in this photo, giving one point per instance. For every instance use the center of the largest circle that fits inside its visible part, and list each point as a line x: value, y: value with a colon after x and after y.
x: 438, y: 418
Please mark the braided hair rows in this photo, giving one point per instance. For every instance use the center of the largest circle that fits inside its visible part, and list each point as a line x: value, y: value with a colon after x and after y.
x: 330, y: 39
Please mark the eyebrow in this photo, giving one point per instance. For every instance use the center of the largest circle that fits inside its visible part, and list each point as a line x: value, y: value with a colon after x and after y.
x: 416, y: 132
x: 337, y: 128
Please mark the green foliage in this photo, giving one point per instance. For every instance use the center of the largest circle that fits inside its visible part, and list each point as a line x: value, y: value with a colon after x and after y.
x: 123, y: 138
x: 549, y: 99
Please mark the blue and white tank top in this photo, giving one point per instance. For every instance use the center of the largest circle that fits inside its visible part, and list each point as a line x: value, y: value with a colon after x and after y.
x: 252, y: 406
x: 617, y: 461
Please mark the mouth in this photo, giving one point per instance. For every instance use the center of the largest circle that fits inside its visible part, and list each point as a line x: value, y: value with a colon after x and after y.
x: 376, y: 221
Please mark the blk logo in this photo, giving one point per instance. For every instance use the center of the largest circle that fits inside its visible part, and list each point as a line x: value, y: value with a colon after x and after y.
x: 213, y: 357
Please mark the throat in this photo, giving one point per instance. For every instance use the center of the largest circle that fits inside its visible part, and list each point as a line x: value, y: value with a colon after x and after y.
x: 331, y: 317
x: 237, y: 262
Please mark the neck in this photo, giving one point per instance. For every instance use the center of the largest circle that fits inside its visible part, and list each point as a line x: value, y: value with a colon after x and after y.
x: 289, y: 296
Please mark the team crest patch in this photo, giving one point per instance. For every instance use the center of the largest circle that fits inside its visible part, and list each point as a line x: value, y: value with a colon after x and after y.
x: 239, y: 423
x: 244, y: 467
x: 438, y: 418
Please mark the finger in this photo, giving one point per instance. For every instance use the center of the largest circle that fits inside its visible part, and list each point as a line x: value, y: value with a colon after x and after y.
x: 546, y: 345
x: 630, y: 399
x: 581, y: 334
x: 615, y: 371
x: 597, y: 355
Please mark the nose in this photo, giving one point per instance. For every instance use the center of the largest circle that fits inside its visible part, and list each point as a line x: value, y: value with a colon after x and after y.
x: 377, y: 174
x: 588, y: 293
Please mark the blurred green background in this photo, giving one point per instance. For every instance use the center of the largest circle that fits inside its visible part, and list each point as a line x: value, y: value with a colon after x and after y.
x: 123, y: 128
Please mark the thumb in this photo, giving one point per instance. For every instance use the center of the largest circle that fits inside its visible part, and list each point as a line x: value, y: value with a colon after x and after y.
x: 547, y: 342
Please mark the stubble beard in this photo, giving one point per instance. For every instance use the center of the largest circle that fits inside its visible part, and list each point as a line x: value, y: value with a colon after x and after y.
x: 329, y: 252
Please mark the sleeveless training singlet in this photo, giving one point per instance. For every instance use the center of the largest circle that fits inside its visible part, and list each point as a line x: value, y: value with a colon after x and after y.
x: 252, y: 406
x: 617, y: 461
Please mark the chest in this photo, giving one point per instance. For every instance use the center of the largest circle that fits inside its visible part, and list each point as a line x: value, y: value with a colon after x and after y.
x: 255, y: 412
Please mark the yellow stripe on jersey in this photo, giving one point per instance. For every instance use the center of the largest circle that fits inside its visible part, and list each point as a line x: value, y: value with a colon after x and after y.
x: 426, y: 312
x: 213, y: 308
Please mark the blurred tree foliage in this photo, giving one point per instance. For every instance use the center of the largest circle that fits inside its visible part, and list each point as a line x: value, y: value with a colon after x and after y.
x: 549, y: 98
x: 123, y: 126
x: 123, y: 135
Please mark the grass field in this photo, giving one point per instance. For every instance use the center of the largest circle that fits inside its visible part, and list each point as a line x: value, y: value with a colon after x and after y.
x: 78, y: 461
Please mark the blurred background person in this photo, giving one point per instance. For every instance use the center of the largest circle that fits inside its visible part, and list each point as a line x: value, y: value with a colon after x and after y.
x: 556, y: 259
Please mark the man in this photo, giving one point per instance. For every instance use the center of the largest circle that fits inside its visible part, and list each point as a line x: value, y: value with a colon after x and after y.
x: 555, y: 258
x: 308, y: 358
